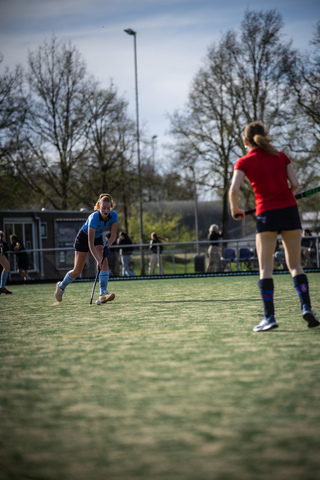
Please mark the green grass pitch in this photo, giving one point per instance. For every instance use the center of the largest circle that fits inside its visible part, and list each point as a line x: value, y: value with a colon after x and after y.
x: 168, y: 382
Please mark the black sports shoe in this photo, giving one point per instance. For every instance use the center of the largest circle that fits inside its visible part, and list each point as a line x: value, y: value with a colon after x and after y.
x: 6, y: 291
x: 309, y: 317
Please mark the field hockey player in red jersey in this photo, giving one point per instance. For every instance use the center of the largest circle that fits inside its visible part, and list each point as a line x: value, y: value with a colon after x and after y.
x: 274, y: 182
x: 90, y: 237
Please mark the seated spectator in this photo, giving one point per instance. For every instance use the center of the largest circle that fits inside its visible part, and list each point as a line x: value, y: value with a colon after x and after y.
x: 279, y: 255
x: 308, y: 248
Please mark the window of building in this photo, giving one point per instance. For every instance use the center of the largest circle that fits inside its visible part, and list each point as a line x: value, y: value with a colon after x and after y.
x: 24, y: 229
x: 43, y: 230
x: 66, y: 232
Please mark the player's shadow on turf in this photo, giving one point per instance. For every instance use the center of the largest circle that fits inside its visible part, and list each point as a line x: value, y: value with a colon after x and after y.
x: 200, y: 301
x: 283, y: 330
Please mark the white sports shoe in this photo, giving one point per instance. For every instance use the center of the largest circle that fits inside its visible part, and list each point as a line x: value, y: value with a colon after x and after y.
x: 266, y: 324
x: 58, y: 293
x: 107, y: 297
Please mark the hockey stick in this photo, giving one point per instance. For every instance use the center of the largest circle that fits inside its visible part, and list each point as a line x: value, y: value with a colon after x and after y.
x: 306, y: 193
x: 105, y: 253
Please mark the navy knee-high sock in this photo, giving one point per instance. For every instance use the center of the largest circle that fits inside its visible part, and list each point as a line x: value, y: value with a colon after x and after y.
x: 301, y: 285
x: 267, y: 290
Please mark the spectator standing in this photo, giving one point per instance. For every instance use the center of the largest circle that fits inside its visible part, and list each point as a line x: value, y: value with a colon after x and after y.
x: 113, y: 259
x: 214, y: 252
x: 126, y: 249
x: 22, y: 258
x: 4, y: 262
x: 155, y: 256
x: 3, y: 244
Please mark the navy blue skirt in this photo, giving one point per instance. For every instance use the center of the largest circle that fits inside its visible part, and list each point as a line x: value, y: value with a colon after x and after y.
x: 280, y: 219
x: 81, y: 242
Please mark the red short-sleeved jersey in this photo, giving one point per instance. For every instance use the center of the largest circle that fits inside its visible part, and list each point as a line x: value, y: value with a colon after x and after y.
x: 268, y: 177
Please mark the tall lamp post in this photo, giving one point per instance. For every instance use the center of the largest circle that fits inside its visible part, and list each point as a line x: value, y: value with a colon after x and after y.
x: 195, y: 208
x: 153, y: 141
x: 134, y: 34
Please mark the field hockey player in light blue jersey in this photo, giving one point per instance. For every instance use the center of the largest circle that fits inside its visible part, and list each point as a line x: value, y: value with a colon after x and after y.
x: 90, y: 237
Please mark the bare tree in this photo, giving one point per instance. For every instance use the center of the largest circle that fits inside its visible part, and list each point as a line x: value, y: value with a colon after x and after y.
x: 262, y: 62
x: 206, y: 132
x: 110, y: 137
x: 241, y: 81
x: 54, y: 140
x: 303, y: 137
x: 108, y: 165
x: 13, y: 105
x: 304, y: 80
x: 13, y: 111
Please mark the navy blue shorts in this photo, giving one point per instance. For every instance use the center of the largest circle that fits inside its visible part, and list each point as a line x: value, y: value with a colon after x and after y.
x: 81, y: 242
x: 280, y: 219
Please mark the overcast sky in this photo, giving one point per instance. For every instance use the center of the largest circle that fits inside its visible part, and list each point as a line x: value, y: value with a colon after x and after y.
x: 172, y: 39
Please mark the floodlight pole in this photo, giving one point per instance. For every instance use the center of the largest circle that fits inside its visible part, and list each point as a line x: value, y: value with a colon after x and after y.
x: 134, y: 34
x: 195, y: 208
x: 153, y: 141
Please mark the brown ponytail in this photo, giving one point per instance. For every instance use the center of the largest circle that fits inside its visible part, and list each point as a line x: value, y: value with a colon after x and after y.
x: 255, y: 134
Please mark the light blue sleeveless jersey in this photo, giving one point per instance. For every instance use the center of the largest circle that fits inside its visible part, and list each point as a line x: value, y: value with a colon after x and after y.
x: 96, y: 222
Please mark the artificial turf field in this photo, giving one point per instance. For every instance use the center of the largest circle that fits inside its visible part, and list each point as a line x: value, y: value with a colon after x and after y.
x: 167, y: 382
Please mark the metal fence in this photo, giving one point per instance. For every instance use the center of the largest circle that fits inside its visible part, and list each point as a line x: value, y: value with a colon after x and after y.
x: 177, y: 258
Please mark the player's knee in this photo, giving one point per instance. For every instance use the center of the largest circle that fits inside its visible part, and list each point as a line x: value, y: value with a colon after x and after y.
x: 75, y: 272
